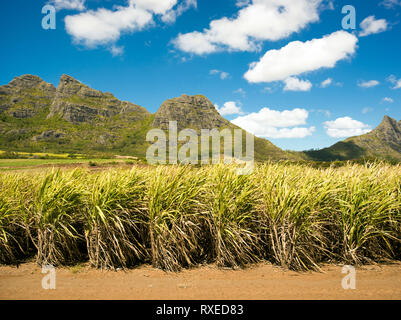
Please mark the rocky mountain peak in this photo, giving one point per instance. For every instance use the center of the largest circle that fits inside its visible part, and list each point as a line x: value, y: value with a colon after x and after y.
x: 68, y: 86
x: 25, y: 96
x: 66, y: 78
x: 193, y: 112
x: 77, y: 103
x: 28, y: 81
x: 389, y: 129
x: 388, y: 123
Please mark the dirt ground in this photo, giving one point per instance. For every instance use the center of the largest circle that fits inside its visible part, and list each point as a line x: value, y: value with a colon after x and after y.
x: 262, y: 282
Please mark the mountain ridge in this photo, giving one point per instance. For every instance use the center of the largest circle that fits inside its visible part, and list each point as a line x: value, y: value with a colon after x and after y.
x: 35, y: 116
x: 383, y: 142
x: 75, y: 118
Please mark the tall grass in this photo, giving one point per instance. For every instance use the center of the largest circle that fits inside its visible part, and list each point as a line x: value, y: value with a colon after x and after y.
x: 176, y: 217
x: 174, y: 207
x: 231, y: 217
x: 113, y: 203
x: 12, y: 235
x: 293, y: 206
x: 54, y: 210
x: 367, y: 214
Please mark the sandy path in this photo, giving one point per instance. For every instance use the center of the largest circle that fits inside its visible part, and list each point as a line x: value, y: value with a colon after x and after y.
x: 262, y: 282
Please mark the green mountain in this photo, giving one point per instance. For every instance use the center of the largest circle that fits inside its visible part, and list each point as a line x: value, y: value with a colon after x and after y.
x: 198, y: 112
x: 74, y: 118
x: 384, y: 142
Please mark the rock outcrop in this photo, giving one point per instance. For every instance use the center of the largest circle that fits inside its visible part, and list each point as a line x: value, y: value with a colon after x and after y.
x: 26, y: 96
x: 78, y: 103
x: 190, y: 112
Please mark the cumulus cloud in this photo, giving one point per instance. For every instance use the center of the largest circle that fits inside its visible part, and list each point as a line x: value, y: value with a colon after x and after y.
x: 295, y: 84
x: 116, y: 50
x: 371, y: 26
x: 194, y: 42
x: 270, y: 123
x: 326, y: 83
x: 155, y: 6
x: 93, y: 28
x: 104, y: 27
x: 68, y: 4
x: 242, y: 3
x: 222, y: 74
x: 171, y: 15
x: 387, y: 99
x: 256, y: 21
x: 368, y: 84
x: 345, y: 127
x: 396, y: 82
x: 299, y: 57
x: 229, y: 108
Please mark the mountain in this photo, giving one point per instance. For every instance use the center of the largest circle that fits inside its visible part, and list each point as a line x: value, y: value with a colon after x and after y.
x: 190, y: 112
x: 384, y: 142
x: 78, y: 103
x: 74, y: 118
x: 198, y: 112
x: 37, y: 117
x: 25, y: 97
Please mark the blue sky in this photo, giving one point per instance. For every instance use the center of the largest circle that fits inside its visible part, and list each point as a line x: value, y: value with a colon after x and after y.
x: 262, y: 62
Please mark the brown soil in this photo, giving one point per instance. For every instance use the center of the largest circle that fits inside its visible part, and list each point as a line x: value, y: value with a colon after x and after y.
x: 262, y: 282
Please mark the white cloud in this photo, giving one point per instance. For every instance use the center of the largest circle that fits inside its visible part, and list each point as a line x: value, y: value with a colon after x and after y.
x: 295, y: 84
x: 372, y: 26
x: 390, y: 4
x: 299, y: 57
x: 368, y: 84
x: 68, y: 4
x: 326, y: 83
x: 258, y: 21
x: 116, y: 50
x: 242, y: 3
x: 328, y: 5
x: 223, y: 75
x: 229, y: 108
x: 93, y: 28
x: 387, y: 99
x: 396, y: 82
x: 367, y: 110
x: 104, y: 27
x: 171, y: 15
x: 155, y: 6
x: 345, y: 127
x: 194, y: 42
x: 276, y: 124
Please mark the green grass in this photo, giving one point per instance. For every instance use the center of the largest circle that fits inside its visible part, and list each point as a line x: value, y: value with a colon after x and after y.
x: 26, y: 163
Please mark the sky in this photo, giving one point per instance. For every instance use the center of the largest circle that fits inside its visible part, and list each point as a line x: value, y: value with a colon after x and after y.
x: 303, y: 74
